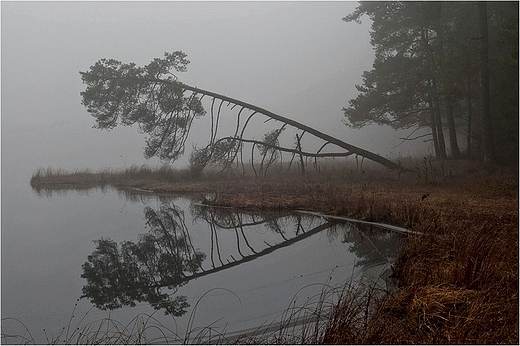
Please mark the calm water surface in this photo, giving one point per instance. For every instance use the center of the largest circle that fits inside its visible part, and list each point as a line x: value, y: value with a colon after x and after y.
x: 190, y: 266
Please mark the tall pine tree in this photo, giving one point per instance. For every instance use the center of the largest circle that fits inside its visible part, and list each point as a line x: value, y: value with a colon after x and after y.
x: 427, y: 72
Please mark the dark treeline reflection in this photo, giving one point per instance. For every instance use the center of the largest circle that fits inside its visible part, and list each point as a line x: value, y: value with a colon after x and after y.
x: 162, y: 258
x: 165, y: 258
x: 287, y: 226
x: 370, y: 244
x: 63, y: 190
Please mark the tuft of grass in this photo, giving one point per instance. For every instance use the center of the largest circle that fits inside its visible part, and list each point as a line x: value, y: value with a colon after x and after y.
x: 300, y: 323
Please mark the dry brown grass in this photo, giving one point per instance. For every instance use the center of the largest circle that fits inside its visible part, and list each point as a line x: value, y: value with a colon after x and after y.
x: 455, y: 286
x: 458, y: 281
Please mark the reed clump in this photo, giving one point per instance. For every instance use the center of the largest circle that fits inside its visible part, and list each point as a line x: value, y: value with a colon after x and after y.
x: 142, y: 178
x: 55, y: 177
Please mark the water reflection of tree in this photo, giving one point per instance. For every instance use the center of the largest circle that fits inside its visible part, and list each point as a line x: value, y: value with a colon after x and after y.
x: 135, y: 272
x: 62, y: 190
x: 152, y: 269
x: 228, y: 219
x: 165, y: 258
x: 372, y: 245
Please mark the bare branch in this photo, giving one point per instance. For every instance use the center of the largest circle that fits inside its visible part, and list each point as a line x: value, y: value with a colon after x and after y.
x: 287, y: 150
x: 407, y: 138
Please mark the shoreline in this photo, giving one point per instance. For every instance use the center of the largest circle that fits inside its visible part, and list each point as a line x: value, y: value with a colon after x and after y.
x: 458, y: 272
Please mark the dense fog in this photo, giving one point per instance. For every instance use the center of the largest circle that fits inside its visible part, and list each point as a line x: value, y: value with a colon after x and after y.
x: 298, y: 59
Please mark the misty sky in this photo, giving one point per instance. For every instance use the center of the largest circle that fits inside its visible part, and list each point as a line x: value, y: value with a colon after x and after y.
x: 297, y: 59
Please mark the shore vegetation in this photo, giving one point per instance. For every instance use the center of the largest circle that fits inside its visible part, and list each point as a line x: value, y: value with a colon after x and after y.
x: 457, y: 276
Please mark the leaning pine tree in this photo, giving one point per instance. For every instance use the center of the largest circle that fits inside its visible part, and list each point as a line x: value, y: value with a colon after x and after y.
x: 165, y: 108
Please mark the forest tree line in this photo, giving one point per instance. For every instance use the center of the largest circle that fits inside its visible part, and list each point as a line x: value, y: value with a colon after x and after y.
x: 450, y: 67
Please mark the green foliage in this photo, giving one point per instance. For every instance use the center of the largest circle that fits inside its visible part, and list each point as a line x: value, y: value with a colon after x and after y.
x: 222, y: 152
x: 269, y: 148
x: 150, y: 96
x: 391, y: 95
x: 271, y: 140
x: 427, y: 62
x: 395, y: 92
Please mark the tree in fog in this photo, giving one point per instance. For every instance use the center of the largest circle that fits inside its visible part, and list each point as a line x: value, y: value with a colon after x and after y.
x: 427, y: 67
x: 153, y: 98
x: 503, y: 63
x: 148, y: 96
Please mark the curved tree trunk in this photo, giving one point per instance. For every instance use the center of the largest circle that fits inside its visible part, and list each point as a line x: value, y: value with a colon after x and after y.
x: 351, y: 148
x: 249, y: 258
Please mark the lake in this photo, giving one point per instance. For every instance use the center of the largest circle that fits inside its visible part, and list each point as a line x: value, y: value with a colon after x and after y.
x: 214, y: 271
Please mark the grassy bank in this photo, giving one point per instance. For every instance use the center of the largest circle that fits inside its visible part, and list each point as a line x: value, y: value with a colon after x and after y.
x: 458, y: 281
